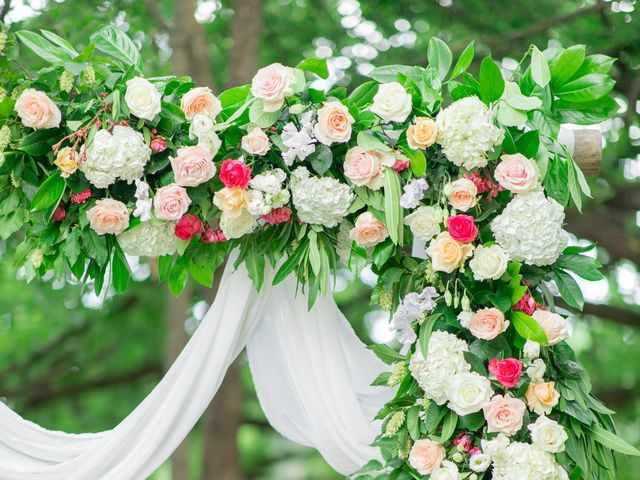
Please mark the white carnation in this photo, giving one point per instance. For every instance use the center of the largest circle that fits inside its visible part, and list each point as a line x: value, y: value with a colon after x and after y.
x: 489, y: 263
x: 149, y: 239
x: 319, y: 200
x: 468, y: 392
x: 466, y: 132
x: 122, y: 154
x: 548, y: 435
x: 392, y: 103
x: 142, y: 98
x: 530, y: 229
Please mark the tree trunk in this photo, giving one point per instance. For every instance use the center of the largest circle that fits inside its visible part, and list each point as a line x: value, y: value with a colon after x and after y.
x: 246, y: 32
x: 189, y: 44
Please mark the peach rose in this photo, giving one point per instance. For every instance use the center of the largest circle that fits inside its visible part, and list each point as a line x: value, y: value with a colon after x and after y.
x: 555, y: 326
x: 447, y: 254
x: 487, y: 323
x: 504, y: 414
x: 67, y: 161
x: 426, y: 456
x: 256, y: 142
x: 193, y: 166
x: 542, y: 397
x: 334, y: 123
x: 368, y: 231
x: 461, y: 194
x: 516, y: 173
x: 200, y: 100
x: 36, y: 110
x: 365, y: 167
x: 108, y: 216
x: 273, y: 84
x: 232, y: 201
x: 422, y: 134
x: 171, y: 202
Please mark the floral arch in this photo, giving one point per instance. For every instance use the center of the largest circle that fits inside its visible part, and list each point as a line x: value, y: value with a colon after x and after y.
x: 99, y: 163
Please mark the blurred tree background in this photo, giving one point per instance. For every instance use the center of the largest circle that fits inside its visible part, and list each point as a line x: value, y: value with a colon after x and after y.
x: 75, y: 362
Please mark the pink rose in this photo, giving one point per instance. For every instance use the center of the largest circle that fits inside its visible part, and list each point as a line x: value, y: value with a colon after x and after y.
x: 426, y: 456
x: 278, y: 216
x: 193, y: 166
x: 334, y: 123
x: 256, y: 142
x: 273, y: 84
x: 158, y: 144
x: 401, y: 164
x: 516, y: 173
x: 507, y: 371
x: 462, y: 228
x: 188, y: 227
x: 368, y: 231
x: 36, y: 110
x: 108, y: 216
x: 555, y: 326
x: 171, y: 202
x: 365, y: 167
x: 487, y: 323
x: 235, y: 174
x: 504, y: 414
x: 200, y: 100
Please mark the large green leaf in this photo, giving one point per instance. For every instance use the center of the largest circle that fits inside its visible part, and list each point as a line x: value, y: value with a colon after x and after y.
x: 586, y: 89
x: 392, y: 208
x: 114, y: 42
x: 49, y: 192
x: 389, y: 73
x: 564, y: 67
x: 540, y: 68
x: 439, y: 56
x: 120, y: 270
x: 315, y: 65
x: 43, y: 48
x: 491, y: 81
x: 464, y: 60
x: 568, y: 288
x: 612, y: 441
x: 60, y: 42
x: 363, y: 94
x: 528, y: 328
x: 39, y: 143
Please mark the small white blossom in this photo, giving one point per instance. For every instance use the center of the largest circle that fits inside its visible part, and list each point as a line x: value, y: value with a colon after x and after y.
x: 536, y: 370
x: 300, y: 143
x: 413, y: 193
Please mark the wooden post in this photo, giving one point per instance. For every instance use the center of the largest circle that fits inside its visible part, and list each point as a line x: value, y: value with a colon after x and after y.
x: 585, y: 144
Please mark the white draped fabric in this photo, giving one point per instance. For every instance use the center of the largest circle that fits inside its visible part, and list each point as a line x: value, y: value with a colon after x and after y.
x: 311, y: 372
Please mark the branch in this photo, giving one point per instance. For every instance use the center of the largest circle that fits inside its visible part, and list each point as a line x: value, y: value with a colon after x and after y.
x: 615, y: 314
x: 5, y: 9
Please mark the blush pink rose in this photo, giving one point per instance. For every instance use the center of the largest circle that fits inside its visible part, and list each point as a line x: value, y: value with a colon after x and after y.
x: 462, y: 228
x: 200, y: 100
x: 365, y: 167
x: 193, y: 166
x: 555, y: 326
x: 334, y: 123
x: 256, y: 142
x: 504, y: 414
x: 36, y: 110
x: 368, y: 231
x: 487, y: 323
x: 507, y: 371
x: 188, y: 227
x: 171, y: 202
x: 516, y: 173
x: 278, y: 216
x: 426, y: 456
x: 461, y: 194
x: 273, y: 84
x: 108, y: 216
x: 235, y: 174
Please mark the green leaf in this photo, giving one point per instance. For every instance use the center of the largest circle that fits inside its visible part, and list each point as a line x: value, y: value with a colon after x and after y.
x: 491, y: 81
x: 566, y: 65
x: 383, y: 252
x: 476, y: 364
x: 528, y: 328
x: 369, y: 141
x: 315, y: 65
x: 38, y: 143
x: 43, y: 48
x: 392, y: 208
x: 389, y: 73
x: 259, y: 117
x: 234, y: 96
x: 413, y: 422
x: 472, y: 422
x: 568, y: 288
x: 418, y: 161
x: 425, y: 333
x: 291, y: 263
x: 120, y: 270
x: 612, y: 441
x: 314, y: 252
x: 61, y: 42
x: 449, y: 426
x: 164, y: 267
x: 321, y: 159
x: 586, y: 89
x: 179, y: 275
x: 114, y: 42
x: 387, y: 354
x: 255, y: 264
x: 202, y: 272
x: 528, y: 143
x: 540, y: 68
x: 439, y: 56
x: 464, y: 60
x: 363, y: 94
x: 49, y: 192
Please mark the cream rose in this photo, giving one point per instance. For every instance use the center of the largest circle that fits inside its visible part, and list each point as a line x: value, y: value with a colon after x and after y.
x: 542, y: 397
x: 67, y: 161
x: 273, y: 84
x: 555, y: 326
x: 424, y: 222
x: 489, y: 263
x: 447, y: 254
x: 142, y: 98
x: 239, y: 225
x: 548, y: 435
x: 426, y: 456
x: 232, y: 201
x: 108, y: 216
x: 193, y: 166
x: 368, y: 231
x: 468, y: 392
x: 171, y: 202
x: 422, y: 134
x: 487, y: 323
x: 36, y: 110
x: 504, y: 414
x: 334, y: 123
x: 461, y: 194
x: 516, y: 173
x: 366, y: 167
x: 392, y: 103
x: 256, y: 142
x: 200, y: 100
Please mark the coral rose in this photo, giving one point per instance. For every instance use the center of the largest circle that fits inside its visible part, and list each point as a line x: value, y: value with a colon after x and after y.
x: 426, y: 456
x: 171, y: 202
x: 422, y: 134
x: 487, y: 323
x: 368, y: 231
x: 193, y: 166
x: 108, y: 216
x: 504, y: 414
x: 334, y: 123
x: 200, y: 100
x: 36, y: 110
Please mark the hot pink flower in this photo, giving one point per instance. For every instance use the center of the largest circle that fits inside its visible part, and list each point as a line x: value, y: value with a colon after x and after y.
x: 507, y: 371
x: 277, y: 216
x: 526, y: 304
x: 462, y: 228
x: 474, y: 451
x: 83, y: 196
x: 464, y: 441
x: 235, y: 174
x: 212, y: 236
x: 158, y: 144
x: 401, y: 165
x: 477, y: 181
x: 60, y: 214
x: 188, y: 227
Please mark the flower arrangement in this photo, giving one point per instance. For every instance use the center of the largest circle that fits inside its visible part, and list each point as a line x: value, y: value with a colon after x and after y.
x: 99, y: 162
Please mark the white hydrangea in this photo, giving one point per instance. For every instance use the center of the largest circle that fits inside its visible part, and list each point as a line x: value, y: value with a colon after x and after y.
x: 530, y: 229
x: 466, y: 132
x: 522, y: 461
x: 149, y: 239
x: 444, y: 360
x: 122, y: 154
x: 319, y: 200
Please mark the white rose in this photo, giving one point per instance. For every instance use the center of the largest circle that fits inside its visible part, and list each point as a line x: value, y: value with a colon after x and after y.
x: 201, y: 126
x: 256, y: 204
x: 392, y: 103
x: 496, y: 447
x: 424, y: 222
x: 537, y: 370
x: 210, y: 141
x: 479, y: 462
x: 142, y: 98
x: 468, y: 393
x: 489, y: 263
x: 531, y: 349
x: 548, y: 435
x: 236, y: 227
x: 448, y: 471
